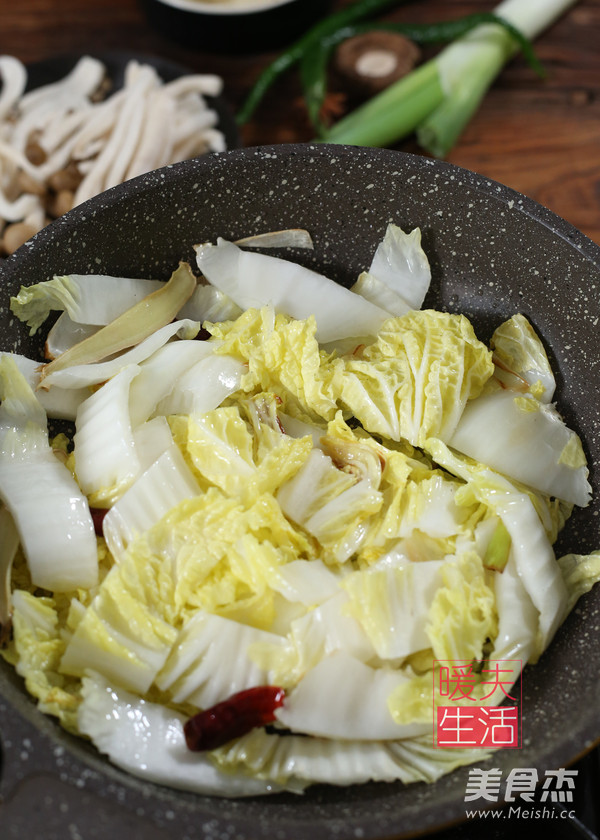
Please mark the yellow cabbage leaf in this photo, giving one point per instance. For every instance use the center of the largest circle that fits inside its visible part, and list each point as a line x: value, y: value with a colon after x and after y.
x: 415, y: 379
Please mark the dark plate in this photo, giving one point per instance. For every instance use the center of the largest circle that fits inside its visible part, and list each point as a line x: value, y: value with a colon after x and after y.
x: 53, y: 69
x: 493, y: 253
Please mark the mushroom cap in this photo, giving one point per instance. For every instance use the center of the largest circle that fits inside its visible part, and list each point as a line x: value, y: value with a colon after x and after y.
x: 370, y: 62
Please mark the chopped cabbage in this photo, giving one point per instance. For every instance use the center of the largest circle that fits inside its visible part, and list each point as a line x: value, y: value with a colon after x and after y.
x: 212, y: 659
x: 330, y: 504
x: 166, y: 482
x: 131, y: 327
x: 520, y: 358
x: 126, y: 633
x: 208, y: 303
x: 86, y: 298
x: 254, y: 280
x: 159, y: 372
x: 527, y: 440
x: 106, y: 457
x: 146, y: 739
x: 580, y: 572
x: 58, y: 403
x: 203, y: 386
x: 50, y: 511
x: 330, y: 494
x: 401, y: 264
x: 374, y: 290
x: 415, y: 379
x: 341, y: 762
x: 341, y: 697
x: 84, y: 375
x: 283, y: 357
x: 38, y: 647
x: 64, y: 334
x: 532, y: 552
x: 392, y: 603
x: 462, y: 616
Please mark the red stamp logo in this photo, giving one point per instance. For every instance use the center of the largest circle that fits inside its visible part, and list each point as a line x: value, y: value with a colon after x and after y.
x: 461, y: 716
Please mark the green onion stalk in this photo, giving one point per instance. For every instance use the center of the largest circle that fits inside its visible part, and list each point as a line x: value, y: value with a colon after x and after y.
x: 439, y: 97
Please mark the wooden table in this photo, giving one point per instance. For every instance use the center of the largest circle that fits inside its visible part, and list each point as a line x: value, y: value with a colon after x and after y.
x: 541, y: 137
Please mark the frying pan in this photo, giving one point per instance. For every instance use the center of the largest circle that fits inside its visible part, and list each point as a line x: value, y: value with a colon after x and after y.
x: 493, y: 253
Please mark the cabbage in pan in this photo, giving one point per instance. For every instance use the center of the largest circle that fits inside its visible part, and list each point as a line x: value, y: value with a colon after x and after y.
x: 331, y: 491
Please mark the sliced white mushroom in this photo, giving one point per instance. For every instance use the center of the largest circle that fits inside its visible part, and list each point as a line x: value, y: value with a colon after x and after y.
x: 14, y: 80
x: 145, y: 125
x: 15, y: 211
x: 82, y: 81
x: 207, y: 84
x: 155, y: 147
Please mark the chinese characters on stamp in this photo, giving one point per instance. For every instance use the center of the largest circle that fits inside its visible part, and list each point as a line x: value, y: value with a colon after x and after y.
x: 461, y: 716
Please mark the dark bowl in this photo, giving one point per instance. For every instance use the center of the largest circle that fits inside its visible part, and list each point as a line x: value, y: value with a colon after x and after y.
x: 493, y: 253
x: 248, y: 26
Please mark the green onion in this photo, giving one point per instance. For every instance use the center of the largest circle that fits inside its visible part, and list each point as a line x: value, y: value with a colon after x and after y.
x: 393, y: 113
x: 439, y: 97
x: 313, y: 65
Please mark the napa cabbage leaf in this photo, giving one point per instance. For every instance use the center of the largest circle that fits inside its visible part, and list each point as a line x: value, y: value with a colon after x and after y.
x: 127, y: 632
x: 87, y: 298
x: 93, y: 373
x: 330, y: 504
x: 311, y: 637
x: 373, y: 289
x: 211, y: 660
x: 166, y: 482
x: 38, y: 646
x: 341, y: 697
x: 227, y: 451
x: 297, y: 759
x: 415, y: 379
x: 392, y: 603
x: 580, y: 572
x: 283, y: 357
x: 527, y: 440
x: 530, y: 547
x: 146, y: 739
x: 50, y: 511
x: 253, y: 280
x: 402, y: 265
x: 521, y: 360
x: 58, y: 403
x: 106, y: 457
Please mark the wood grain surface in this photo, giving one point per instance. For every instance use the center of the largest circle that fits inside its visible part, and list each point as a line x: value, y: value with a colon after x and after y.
x: 540, y: 137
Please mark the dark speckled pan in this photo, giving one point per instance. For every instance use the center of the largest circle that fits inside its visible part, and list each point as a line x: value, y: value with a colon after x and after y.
x: 493, y: 253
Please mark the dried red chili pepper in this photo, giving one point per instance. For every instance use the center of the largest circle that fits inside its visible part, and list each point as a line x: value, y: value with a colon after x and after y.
x: 232, y: 718
x: 98, y: 515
